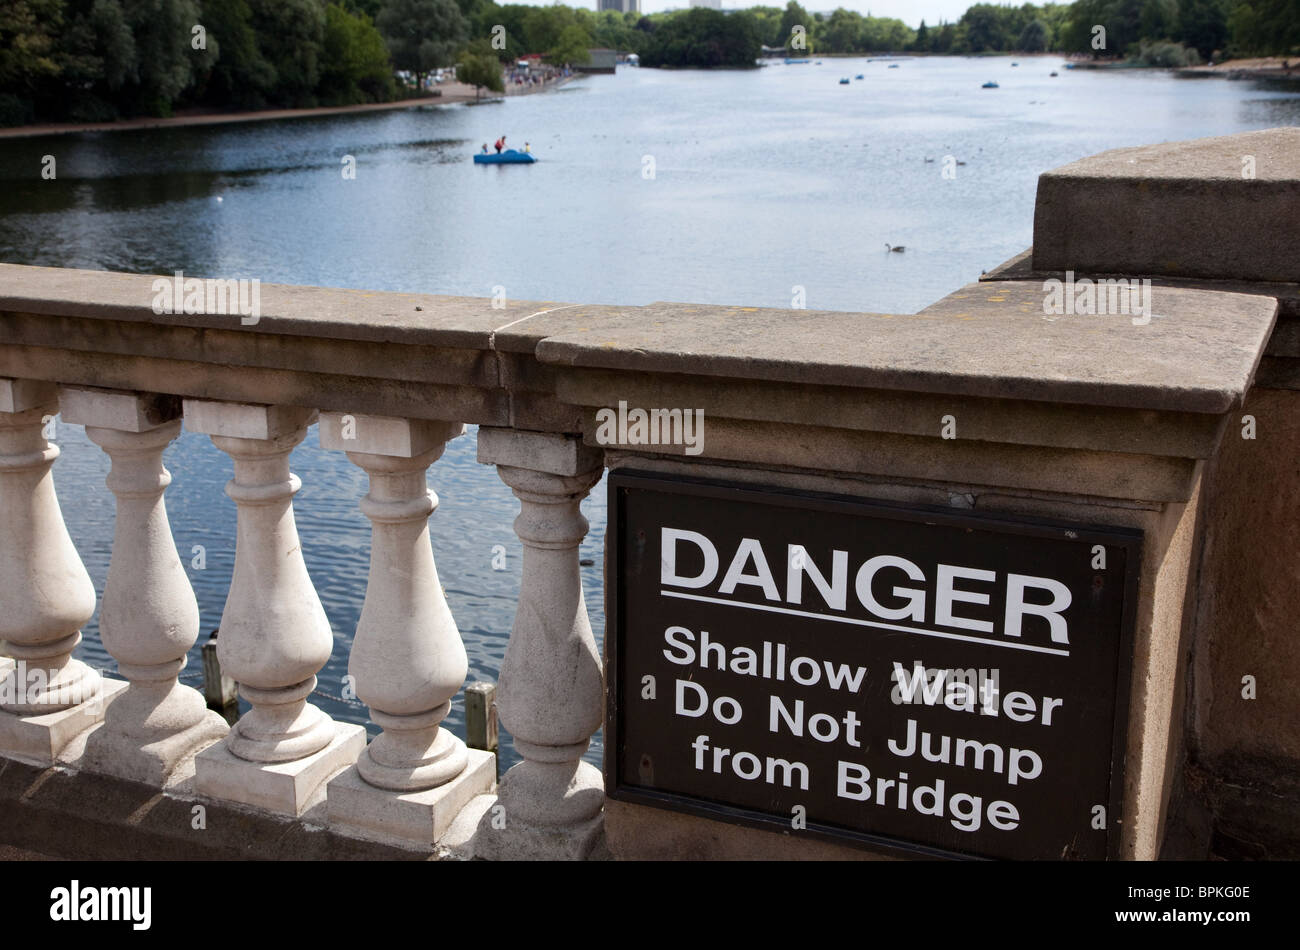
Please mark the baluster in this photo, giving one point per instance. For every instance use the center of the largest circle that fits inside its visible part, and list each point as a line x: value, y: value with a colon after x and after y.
x: 407, y: 660
x: 275, y: 636
x: 47, y: 698
x: 149, y: 618
x: 551, y: 690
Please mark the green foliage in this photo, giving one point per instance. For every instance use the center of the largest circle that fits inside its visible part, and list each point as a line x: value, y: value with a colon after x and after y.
x: 703, y: 38
x: 794, y: 16
x: 479, y: 67
x: 422, y: 35
x: 241, y: 77
x: 291, y: 36
x: 1166, y: 54
x: 93, y: 60
x: 28, y: 33
x: 355, y: 61
x: 571, y: 47
x: 1246, y: 27
x: 1034, y: 38
x: 1203, y: 25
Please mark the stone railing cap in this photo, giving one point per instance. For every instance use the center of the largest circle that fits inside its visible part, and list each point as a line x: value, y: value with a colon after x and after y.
x: 1276, y: 154
x: 1198, y: 354
x: 332, y: 313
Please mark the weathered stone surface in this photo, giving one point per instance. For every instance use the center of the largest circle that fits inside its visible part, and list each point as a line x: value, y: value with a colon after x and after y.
x: 642, y: 833
x: 366, y: 359
x: 1184, y: 209
x: 964, y: 461
x: 1197, y: 355
x: 72, y: 814
x: 377, y: 316
x: 415, y: 819
x: 1016, y: 422
x: 284, y: 788
x: 538, y: 451
x: 244, y: 420
x: 1249, y: 575
x: 43, y: 738
x: 252, y: 384
x: 21, y: 395
x: 384, y: 435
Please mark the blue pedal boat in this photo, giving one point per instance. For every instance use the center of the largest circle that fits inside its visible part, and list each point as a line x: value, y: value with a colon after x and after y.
x: 509, y: 157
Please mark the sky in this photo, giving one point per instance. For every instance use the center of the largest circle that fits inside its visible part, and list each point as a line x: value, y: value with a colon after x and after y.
x: 910, y: 12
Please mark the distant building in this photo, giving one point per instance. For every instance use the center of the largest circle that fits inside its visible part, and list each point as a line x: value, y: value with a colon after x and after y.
x: 711, y: 4
x: 602, y: 61
x: 620, y: 6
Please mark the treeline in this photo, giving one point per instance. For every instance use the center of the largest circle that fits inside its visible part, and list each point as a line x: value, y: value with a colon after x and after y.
x: 1130, y: 28
x: 1158, y: 32
x: 96, y: 60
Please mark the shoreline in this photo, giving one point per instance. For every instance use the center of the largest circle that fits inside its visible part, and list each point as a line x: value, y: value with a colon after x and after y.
x: 452, y: 93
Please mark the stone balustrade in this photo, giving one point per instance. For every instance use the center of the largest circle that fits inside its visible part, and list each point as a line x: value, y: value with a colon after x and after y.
x: 1106, y: 420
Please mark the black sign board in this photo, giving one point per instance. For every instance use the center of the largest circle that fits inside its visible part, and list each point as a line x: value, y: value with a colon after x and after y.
x: 914, y: 680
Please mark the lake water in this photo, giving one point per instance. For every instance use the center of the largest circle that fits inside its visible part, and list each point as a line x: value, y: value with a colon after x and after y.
x: 726, y: 188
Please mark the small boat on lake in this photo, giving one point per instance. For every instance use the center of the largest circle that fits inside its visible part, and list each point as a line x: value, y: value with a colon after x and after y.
x: 990, y: 85
x: 844, y: 81
x: 859, y: 76
x: 509, y: 157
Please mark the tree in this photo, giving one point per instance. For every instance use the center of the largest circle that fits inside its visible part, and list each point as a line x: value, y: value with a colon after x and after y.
x: 843, y: 32
x: 166, y: 60
x: 96, y: 57
x: 795, y: 16
x: 28, y: 30
x: 422, y: 35
x: 479, y: 67
x: 984, y: 31
x: 1203, y: 25
x: 356, y: 64
x: 922, y: 42
x: 241, y: 76
x: 1034, y: 37
x: 543, y: 26
x: 290, y: 36
x: 571, y: 47
x: 703, y: 38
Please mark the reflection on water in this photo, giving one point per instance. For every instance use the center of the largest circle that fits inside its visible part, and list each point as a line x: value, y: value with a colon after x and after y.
x: 763, y: 181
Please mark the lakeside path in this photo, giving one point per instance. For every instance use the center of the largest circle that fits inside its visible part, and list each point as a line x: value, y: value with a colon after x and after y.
x: 452, y: 93
x: 1269, y: 67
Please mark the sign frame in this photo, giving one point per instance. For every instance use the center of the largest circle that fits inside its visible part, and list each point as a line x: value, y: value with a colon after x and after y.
x: 617, y: 789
